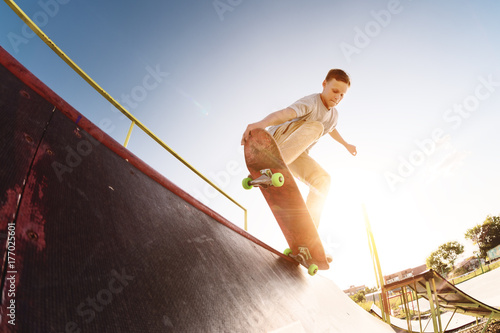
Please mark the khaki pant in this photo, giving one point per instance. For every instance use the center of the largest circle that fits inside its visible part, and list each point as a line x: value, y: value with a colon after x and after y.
x: 293, y: 140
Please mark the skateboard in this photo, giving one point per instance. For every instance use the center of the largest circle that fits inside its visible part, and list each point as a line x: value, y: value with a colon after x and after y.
x: 269, y: 172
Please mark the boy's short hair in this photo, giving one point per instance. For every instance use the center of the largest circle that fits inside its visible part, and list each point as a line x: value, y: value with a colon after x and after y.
x: 338, y: 75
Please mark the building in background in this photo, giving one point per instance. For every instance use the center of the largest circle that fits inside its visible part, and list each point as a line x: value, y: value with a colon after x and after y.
x: 494, y: 253
x: 354, y: 290
x: 407, y: 273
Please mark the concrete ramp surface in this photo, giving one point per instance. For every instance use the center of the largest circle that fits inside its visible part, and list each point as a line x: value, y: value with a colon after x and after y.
x: 94, y: 240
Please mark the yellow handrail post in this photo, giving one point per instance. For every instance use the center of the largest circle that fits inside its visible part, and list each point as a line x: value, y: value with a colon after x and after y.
x: 438, y: 310
x: 418, y: 306
x: 433, y: 309
x: 378, y: 270
x: 127, y: 139
x: 246, y: 220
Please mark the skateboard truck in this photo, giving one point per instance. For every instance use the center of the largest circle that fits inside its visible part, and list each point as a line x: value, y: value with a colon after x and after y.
x: 303, y: 258
x: 266, y: 179
x: 304, y: 251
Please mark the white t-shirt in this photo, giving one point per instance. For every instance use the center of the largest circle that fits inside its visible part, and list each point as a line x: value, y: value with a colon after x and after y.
x: 312, y: 108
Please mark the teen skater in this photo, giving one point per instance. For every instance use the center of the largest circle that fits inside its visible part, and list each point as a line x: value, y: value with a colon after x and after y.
x: 297, y: 128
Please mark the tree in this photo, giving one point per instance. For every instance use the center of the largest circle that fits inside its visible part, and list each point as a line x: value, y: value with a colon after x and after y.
x: 443, y: 259
x: 485, y: 235
x: 359, y: 297
x: 369, y: 290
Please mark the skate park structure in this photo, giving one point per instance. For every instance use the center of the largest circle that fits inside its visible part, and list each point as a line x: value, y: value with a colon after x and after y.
x: 96, y: 240
x: 450, y: 307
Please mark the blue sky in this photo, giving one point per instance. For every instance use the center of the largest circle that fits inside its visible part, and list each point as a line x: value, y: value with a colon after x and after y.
x: 422, y: 108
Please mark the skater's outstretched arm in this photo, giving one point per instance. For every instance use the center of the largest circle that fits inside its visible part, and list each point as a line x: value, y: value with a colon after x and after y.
x: 337, y: 137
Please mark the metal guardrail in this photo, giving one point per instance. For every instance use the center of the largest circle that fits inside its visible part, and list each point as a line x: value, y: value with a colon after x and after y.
x: 114, y: 102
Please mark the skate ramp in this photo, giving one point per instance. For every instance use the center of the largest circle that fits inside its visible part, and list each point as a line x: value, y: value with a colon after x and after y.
x: 94, y: 240
x: 447, y: 296
x: 459, y: 308
x: 482, y: 287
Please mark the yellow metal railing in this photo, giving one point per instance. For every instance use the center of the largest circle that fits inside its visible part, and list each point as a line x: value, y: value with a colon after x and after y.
x: 376, y: 266
x: 115, y: 103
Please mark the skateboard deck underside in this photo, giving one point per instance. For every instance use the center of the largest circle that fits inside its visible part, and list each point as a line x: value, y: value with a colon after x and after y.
x: 286, y: 202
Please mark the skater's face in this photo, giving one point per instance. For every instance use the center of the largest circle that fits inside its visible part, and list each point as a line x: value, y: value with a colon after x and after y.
x: 333, y: 92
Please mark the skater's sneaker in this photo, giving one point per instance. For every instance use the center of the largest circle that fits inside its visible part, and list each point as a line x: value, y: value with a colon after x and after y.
x: 329, y: 258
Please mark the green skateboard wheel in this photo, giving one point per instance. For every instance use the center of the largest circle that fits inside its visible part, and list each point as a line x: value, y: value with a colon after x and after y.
x: 287, y: 252
x: 245, y: 184
x: 278, y: 180
x: 312, y: 270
